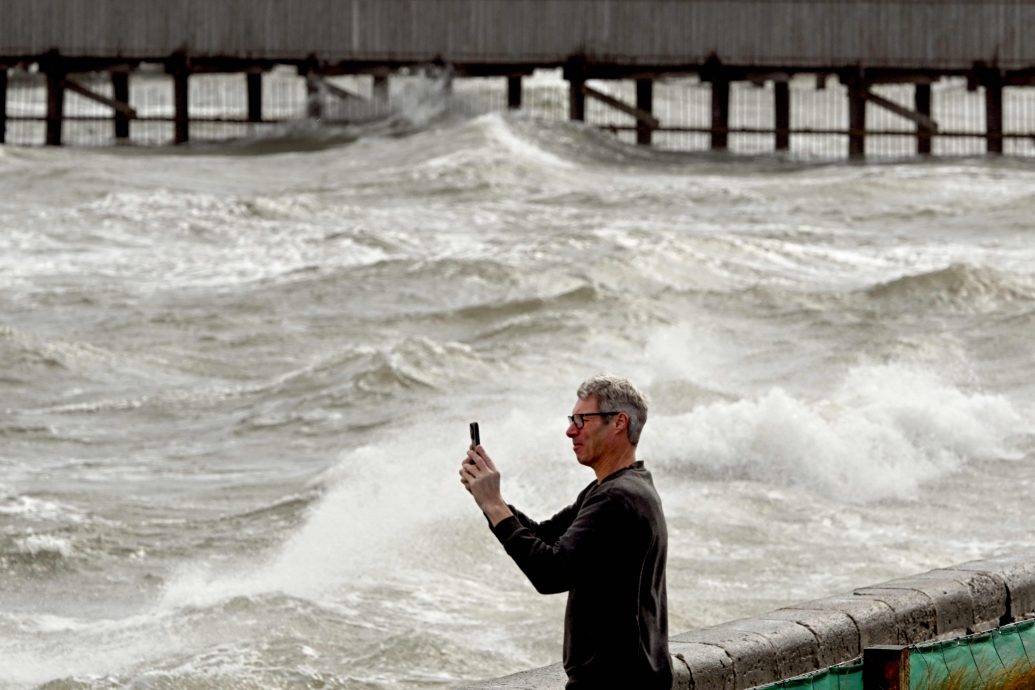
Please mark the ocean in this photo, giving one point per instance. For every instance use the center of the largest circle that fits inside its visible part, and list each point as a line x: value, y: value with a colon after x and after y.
x: 236, y: 378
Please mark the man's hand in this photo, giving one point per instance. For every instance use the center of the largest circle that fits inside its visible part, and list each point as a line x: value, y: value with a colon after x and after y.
x: 480, y: 477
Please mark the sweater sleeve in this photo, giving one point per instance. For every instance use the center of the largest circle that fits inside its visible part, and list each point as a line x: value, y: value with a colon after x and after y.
x: 557, y: 566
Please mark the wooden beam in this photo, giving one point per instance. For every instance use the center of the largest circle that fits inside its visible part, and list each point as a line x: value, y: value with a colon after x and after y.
x: 856, y: 121
x: 645, y: 104
x: 514, y: 92
x: 575, y: 74
x: 642, y: 116
x: 782, y: 114
x: 254, y: 85
x: 120, y: 107
x: 314, y: 104
x: 886, y: 668
x: 922, y: 101
x: 55, y: 104
x: 919, y: 118
x: 343, y: 94
x: 993, y: 113
x: 380, y: 88
x: 120, y: 90
x: 720, y: 113
x: 3, y: 104
x: 577, y: 98
x: 177, y: 66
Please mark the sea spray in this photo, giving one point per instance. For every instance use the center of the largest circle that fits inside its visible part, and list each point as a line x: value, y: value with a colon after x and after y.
x: 883, y: 432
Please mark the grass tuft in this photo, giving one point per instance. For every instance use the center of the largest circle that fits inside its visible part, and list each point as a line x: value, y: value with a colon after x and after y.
x: 1019, y: 677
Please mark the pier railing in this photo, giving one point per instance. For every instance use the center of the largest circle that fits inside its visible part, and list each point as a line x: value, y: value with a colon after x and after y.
x: 807, y: 115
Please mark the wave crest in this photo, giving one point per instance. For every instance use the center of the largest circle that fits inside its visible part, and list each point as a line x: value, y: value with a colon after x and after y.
x: 958, y: 285
x: 885, y: 432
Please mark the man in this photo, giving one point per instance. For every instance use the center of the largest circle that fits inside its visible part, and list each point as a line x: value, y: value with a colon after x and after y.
x: 607, y: 550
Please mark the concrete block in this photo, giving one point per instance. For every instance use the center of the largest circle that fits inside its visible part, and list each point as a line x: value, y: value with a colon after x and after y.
x: 837, y: 636
x: 550, y: 677
x: 916, y: 618
x: 1018, y: 572
x: 795, y: 647
x: 874, y: 619
x: 953, y: 605
x: 701, y: 667
x: 988, y: 595
x: 754, y: 657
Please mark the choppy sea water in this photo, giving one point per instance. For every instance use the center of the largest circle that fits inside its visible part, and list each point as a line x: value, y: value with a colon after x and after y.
x: 236, y: 382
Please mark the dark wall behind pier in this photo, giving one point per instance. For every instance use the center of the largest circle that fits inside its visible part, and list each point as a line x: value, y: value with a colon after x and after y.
x: 901, y: 34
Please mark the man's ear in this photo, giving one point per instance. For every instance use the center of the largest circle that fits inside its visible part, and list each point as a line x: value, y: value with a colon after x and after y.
x: 621, y: 421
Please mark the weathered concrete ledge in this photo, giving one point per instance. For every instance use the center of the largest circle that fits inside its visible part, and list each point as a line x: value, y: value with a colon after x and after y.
x: 940, y: 604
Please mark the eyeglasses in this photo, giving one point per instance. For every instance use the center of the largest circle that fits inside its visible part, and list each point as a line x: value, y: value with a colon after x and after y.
x: 579, y: 418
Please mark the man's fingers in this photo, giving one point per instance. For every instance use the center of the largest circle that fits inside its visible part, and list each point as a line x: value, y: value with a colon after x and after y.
x: 476, y: 457
x: 481, y: 458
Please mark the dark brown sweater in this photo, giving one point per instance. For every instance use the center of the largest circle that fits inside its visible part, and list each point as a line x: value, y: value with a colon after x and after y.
x: 608, y: 551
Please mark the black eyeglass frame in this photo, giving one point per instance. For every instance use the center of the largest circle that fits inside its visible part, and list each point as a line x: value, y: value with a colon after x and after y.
x: 581, y: 416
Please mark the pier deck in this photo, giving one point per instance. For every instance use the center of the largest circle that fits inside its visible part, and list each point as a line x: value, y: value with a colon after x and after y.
x: 863, y: 44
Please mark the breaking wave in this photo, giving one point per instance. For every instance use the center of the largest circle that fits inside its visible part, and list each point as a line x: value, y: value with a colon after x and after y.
x: 958, y: 286
x: 882, y: 434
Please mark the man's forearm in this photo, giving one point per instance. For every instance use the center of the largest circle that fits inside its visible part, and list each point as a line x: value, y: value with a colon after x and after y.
x: 497, y: 512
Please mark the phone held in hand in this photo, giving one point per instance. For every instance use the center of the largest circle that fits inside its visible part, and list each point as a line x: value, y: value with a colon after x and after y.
x: 476, y: 439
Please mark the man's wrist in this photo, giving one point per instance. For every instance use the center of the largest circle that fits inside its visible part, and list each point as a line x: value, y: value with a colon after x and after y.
x: 497, y: 512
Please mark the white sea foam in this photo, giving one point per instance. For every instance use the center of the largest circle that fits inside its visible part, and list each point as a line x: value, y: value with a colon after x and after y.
x: 382, y: 495
x: 29, y: 507
x: 882, y: 433
x: 502, y: 133
x: 44, y: 543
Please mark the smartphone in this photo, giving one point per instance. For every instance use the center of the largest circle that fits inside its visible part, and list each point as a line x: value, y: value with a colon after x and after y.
x: 476, y: 439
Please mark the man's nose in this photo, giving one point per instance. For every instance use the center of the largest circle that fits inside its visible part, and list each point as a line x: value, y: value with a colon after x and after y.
x: 573, y: 431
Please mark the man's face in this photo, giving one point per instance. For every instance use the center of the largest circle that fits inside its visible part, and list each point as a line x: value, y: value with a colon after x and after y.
x: 590, y: 441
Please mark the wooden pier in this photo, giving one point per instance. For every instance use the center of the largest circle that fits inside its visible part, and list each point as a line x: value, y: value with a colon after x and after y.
x: 864, y: 45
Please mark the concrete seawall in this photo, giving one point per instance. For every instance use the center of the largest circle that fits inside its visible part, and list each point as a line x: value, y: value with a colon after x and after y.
x: 939, y: 604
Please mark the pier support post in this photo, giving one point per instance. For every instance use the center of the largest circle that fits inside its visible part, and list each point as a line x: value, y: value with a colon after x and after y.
x: 3, y: 104
x: 575, y: 74
x: 922, y: 102
x: 120, y: 92
x: 782, y: 114
x: 179, y: 70
x: 55, y: 72
x: 313, y: 103
x: 576, y: 99
x: 886, y: 668
x: 993, y: 82
x: 380, y: 88
x: 856, y: 118
x: 254, y: 81
x: 645, y: 102
x: 514, y: 93
x: 720, y: 112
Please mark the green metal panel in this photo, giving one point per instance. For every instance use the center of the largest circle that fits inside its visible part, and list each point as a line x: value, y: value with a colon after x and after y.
x: 849, y: 676
x: 844, y: 677
x: 927, y: 667
x: 1009, y: 647
x: 825, y: 680
x: 975, y: 661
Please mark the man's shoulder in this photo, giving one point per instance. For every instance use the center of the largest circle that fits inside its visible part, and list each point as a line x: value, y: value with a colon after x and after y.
x: 633, y: 486
x: 633, y: 478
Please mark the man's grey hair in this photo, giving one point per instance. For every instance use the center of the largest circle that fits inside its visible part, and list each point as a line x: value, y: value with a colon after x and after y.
x: 615, y: 394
